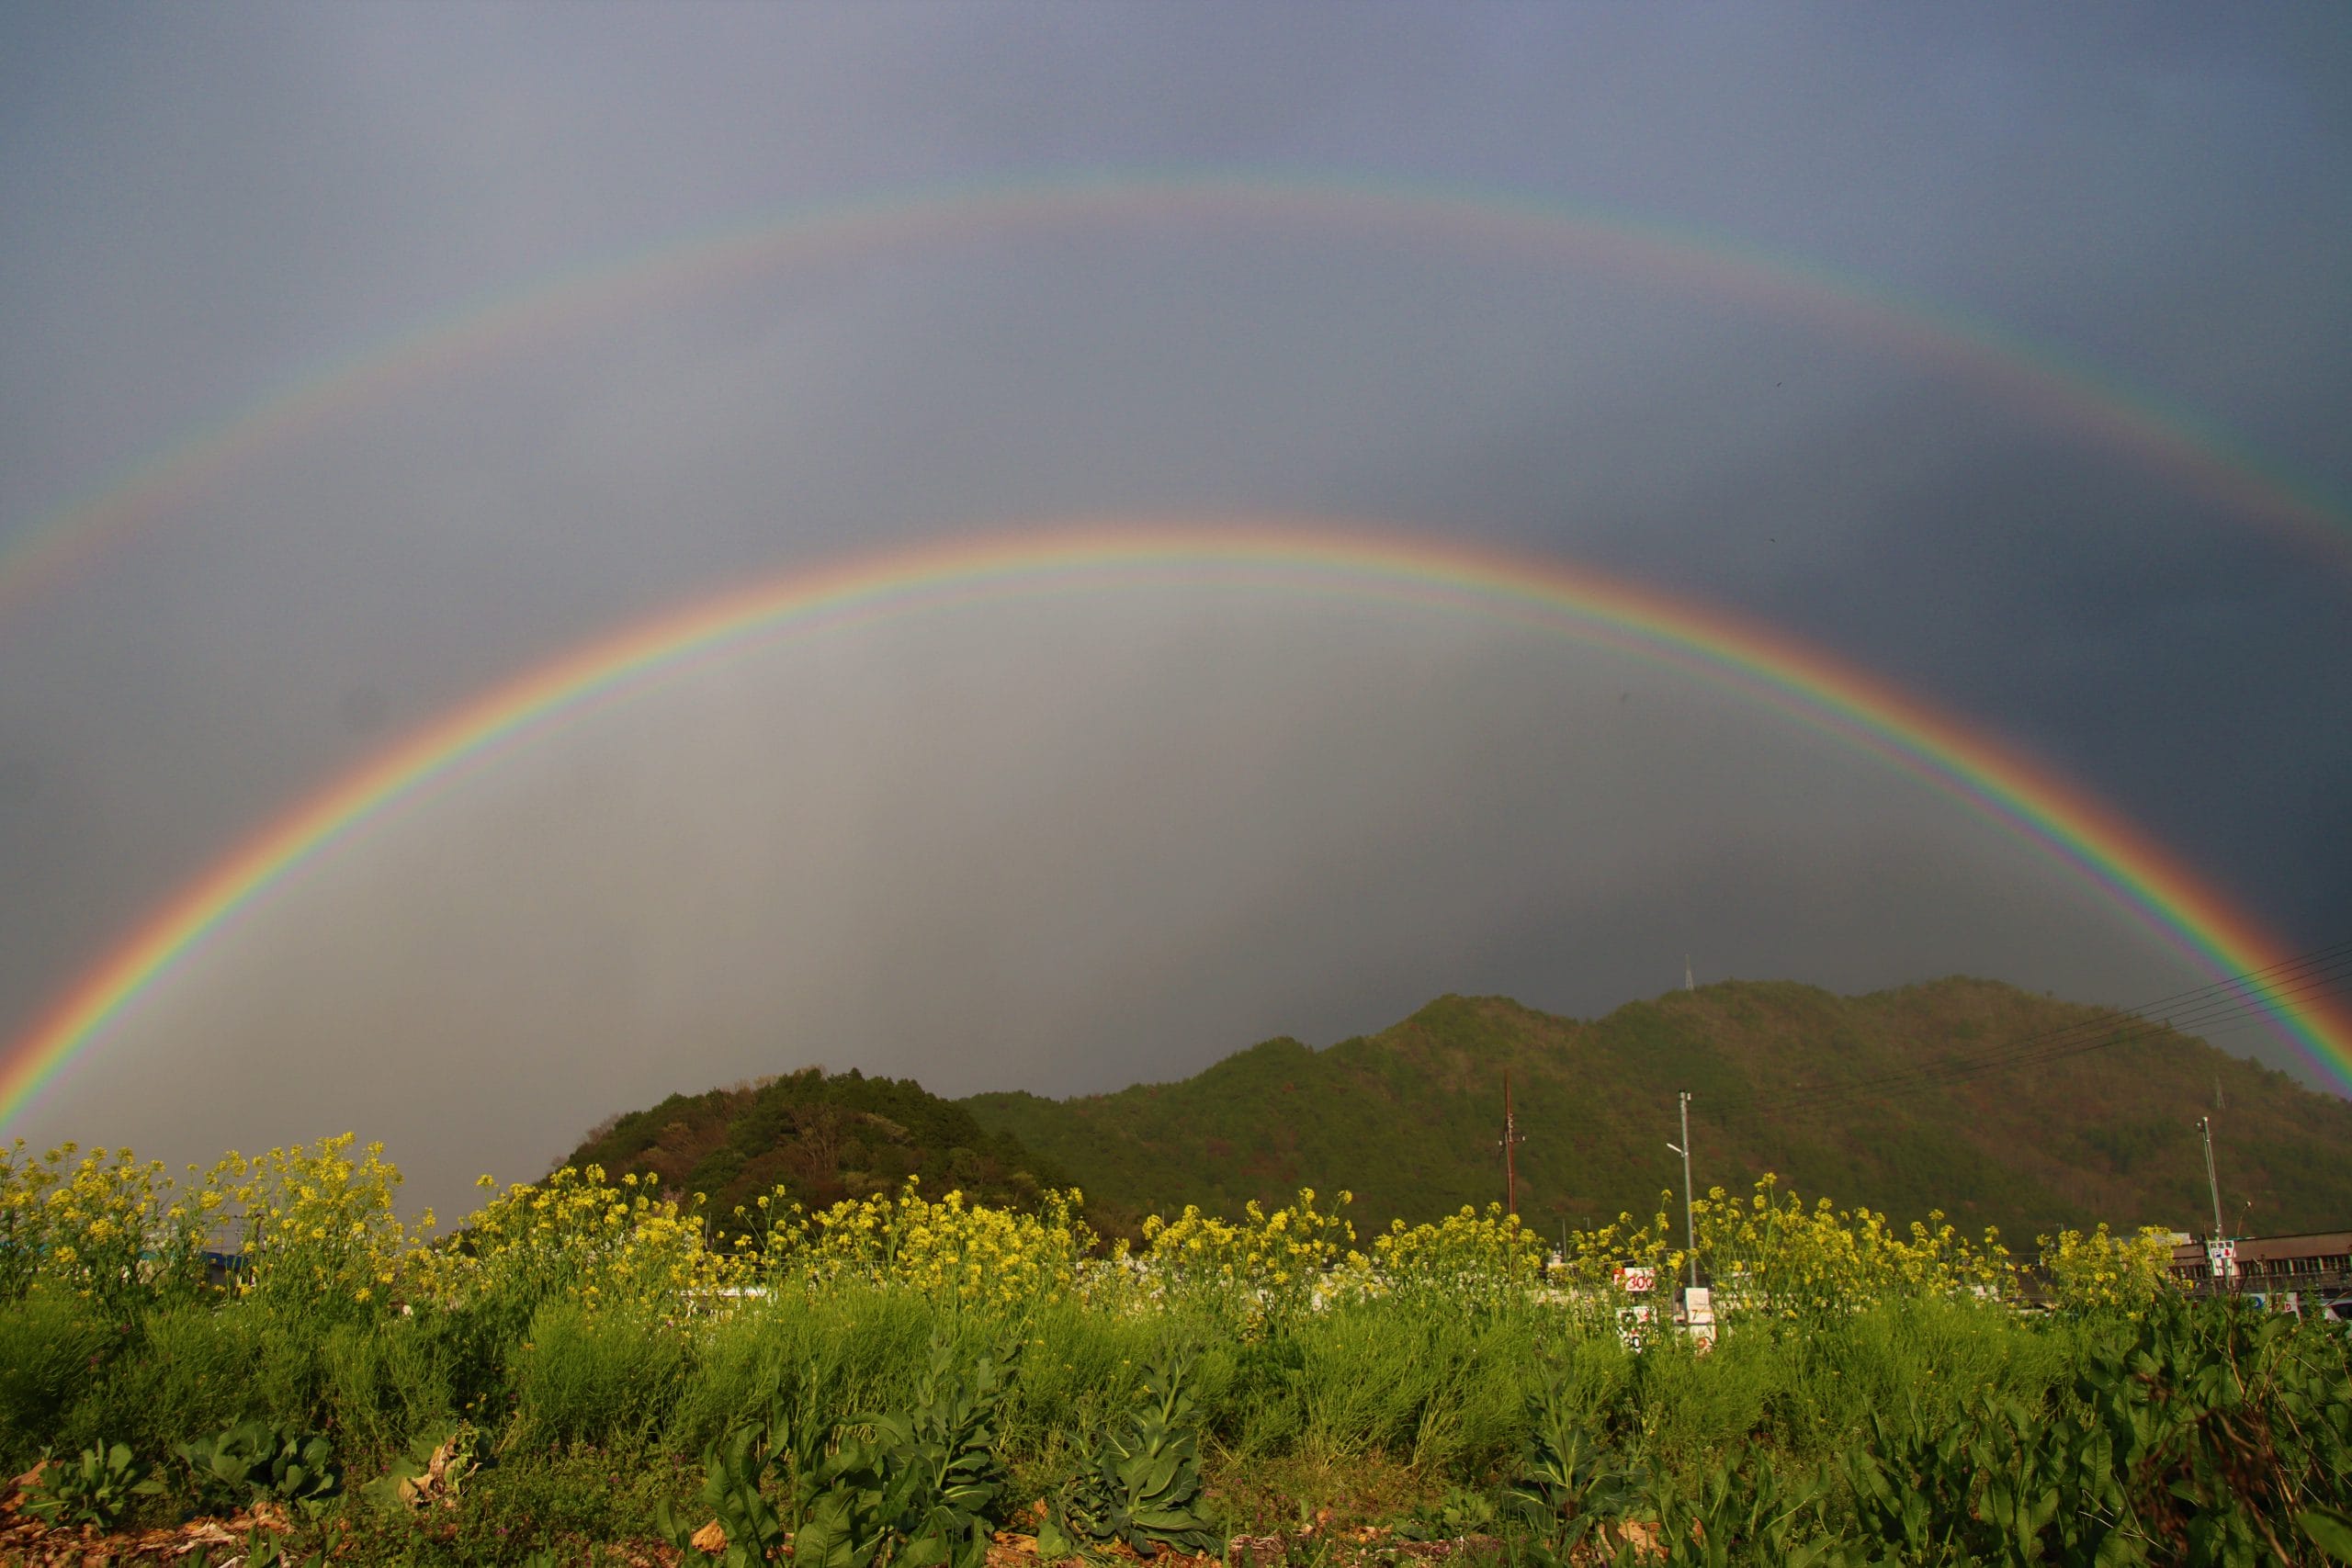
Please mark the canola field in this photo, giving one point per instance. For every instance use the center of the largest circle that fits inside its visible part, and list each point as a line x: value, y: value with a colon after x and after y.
x: 586, y: 1371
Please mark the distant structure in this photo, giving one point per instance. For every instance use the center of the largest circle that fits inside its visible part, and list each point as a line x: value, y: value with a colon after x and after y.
x: 1687, y: 984
x: 2318, y: 1263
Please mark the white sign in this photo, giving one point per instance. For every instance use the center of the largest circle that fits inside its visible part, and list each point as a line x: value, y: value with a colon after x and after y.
x: 1698, y: 1316
x: 1636, y: 1281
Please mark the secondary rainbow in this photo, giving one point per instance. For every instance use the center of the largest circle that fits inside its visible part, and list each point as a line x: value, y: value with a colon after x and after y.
x: 2070, y: 392
x: 1280, y: 556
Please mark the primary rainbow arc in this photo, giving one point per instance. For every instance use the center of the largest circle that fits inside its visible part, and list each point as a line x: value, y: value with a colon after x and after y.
x: 2097, y: 844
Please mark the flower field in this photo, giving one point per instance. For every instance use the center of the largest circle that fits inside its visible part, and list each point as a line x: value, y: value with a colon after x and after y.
x: 584, y: 1371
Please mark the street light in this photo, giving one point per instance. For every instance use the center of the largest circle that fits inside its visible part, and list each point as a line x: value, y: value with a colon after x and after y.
x: 1690, y: 1226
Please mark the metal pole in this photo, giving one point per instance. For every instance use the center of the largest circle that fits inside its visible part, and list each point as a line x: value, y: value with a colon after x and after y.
x: 1689, y: 1229
x: 2205, y: 1125
x: 2213, y: 1184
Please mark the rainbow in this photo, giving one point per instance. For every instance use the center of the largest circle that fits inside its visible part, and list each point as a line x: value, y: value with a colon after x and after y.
x: 53, y: 549
x: 1753, y: 661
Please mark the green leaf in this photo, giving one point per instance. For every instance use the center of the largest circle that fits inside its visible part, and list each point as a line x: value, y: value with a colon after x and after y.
x: 2118, y: 1550
x: 2328, y: 1530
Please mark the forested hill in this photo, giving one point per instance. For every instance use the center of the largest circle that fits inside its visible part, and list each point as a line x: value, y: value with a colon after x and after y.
x: 1408, y: 1119
x: 823, y: 1137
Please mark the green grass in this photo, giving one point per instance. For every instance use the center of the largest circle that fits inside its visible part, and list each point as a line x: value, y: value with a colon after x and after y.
x: 1377, y: 1410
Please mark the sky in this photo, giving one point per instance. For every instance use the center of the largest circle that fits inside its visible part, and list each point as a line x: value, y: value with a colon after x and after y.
x: 1072, y: 841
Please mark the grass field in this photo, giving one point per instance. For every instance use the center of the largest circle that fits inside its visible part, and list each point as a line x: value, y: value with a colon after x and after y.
x: 581, y: 1372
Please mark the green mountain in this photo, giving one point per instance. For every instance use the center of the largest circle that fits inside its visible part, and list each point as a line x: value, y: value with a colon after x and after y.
x: 1408, y: 1119
x: 825, y: 1137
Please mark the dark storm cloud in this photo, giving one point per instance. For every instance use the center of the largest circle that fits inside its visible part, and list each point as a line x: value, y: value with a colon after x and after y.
x: 205, y: 205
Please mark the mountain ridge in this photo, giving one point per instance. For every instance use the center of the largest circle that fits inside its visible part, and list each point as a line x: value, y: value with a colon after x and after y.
x: 1409, y: 1118
x: 824, y: 1137
x: 1830, y: 1094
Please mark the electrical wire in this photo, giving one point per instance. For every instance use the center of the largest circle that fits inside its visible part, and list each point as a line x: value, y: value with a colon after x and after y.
x: 2232, y: 1001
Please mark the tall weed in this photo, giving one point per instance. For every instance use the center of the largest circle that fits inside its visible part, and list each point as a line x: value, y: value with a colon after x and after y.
x: 1686, y: 1407
x: 1397, y: 1378
x: 387, y: 1385
x: 606, y: 1378
x: 190, y: 1370
x: 51, y: 1348
x: 839, y: 1352
x: 1933, y: 1354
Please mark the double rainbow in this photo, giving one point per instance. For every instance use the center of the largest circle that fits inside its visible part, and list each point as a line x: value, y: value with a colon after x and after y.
x: 1755, y: 662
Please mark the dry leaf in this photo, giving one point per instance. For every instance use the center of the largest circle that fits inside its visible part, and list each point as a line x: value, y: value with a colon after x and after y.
x: 1641, y: 1537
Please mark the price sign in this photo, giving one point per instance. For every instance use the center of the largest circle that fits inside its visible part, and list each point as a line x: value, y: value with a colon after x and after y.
x: 1636, y: 1281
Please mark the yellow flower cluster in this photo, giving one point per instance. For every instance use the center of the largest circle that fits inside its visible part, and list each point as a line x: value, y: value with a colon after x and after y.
x: 315, y: 1224
x: 1774, y: 1255
x: 1272, y: 1263
x: 319, y: 1228
x: 948, y: 1250
x: 577, y: 1235
x: 1594, y: 1257
x: 310, y: 1224
x: 2103, y: 1270
x: 1464, y: 1257
x: 101, y: 1225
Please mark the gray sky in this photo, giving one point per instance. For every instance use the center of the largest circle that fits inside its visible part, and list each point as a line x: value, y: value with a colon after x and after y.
x: 1063, y: 845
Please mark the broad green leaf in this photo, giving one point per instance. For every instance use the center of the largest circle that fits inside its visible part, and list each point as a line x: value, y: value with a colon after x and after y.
x: 2329, y: 1529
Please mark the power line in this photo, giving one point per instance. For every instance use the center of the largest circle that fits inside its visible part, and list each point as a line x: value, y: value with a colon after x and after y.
x: 1842, y: 1096
x: 1948, y: 1073
x: 2326, y: 971
x: 1836, y: 1096
x: 2321, y: 972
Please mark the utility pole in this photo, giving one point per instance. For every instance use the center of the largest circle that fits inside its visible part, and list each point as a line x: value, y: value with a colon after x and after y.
x: 2221, y: 1252
x: 1689, y: 1228
x: 1511, y: 1140
x: 1687, y: 984
x: 2205, y: 1125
